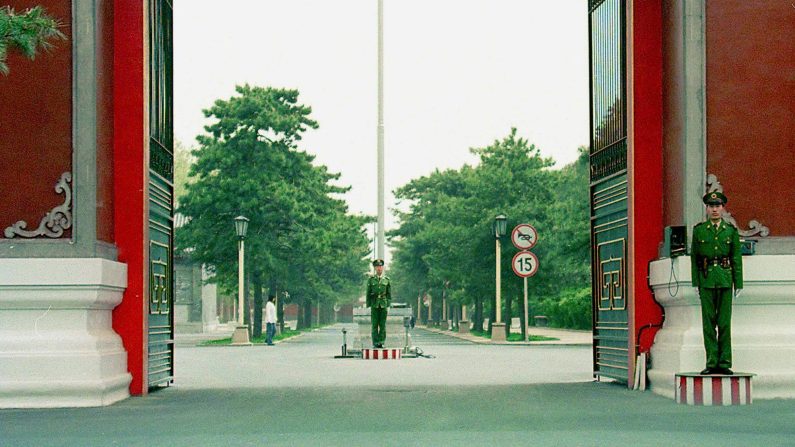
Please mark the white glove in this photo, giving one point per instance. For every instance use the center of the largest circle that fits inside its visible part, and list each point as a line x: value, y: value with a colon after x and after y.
x: 737, y: 293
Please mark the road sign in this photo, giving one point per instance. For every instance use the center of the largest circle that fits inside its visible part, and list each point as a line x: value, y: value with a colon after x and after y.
x: 524, y: 236
x: 525, y: 264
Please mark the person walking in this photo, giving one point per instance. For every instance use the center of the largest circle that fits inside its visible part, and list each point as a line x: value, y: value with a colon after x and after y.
x: 270, y: 320
x: 379, y: 297
x: 717, y: 266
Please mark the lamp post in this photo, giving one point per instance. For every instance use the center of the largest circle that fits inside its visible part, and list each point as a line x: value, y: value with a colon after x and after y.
x: 240, y: 336
x: 280, y: 318
x: 499, y: 229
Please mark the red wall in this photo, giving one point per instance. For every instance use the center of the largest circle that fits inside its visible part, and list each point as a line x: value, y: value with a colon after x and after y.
x: 751, y: 108
x: 129, y: 318
x: 36, y: 123
x: 646, y: 167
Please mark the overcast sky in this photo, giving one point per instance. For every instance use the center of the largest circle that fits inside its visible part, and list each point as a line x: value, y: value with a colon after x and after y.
x: 458, y: 74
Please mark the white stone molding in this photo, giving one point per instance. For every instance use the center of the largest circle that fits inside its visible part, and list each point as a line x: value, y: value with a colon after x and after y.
x: 57, y: 344
x: 763, y: 325
x: 754, y: 226
x: 55, y: 221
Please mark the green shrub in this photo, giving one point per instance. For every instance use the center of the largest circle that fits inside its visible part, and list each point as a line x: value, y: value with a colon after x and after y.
x: 571, y: 310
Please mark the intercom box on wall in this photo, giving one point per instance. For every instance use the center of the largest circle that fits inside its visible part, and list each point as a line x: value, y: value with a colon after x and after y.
x: 674, y: 242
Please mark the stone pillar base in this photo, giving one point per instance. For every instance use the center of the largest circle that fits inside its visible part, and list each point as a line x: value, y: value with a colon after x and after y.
x: 240, y: 336
x: 463, y: 327
x: 498, y: 332
x: 57, y: 344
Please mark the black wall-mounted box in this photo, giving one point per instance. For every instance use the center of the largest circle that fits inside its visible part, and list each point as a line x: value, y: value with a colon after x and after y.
x: 674, y: 241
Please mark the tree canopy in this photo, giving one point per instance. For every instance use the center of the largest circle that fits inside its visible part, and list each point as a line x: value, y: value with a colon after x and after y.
x: 445, y: 242
x: 300, y: 234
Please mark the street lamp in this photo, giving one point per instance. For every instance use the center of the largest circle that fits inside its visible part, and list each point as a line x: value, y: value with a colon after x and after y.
x: 499, y: 227
x: 281, y: 318
x: 240, y: 336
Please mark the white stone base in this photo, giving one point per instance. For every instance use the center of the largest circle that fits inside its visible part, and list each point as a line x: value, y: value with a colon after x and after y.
x: 57, y: 344
x: 763, y: 325
x: 240, y: 336
x: 498, y: 332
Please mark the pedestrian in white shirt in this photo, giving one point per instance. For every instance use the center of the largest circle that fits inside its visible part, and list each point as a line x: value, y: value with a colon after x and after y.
x: 270, y: 320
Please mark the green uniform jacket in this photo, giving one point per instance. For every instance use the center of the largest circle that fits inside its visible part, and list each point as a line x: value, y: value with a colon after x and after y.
x: 711, y: 243
x: 379, y: 291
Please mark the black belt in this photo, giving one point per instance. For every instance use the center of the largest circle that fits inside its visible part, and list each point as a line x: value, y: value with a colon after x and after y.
x: 723, y: 261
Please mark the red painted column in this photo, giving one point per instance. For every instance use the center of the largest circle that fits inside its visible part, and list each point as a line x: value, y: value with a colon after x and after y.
x: 130, y: 171
x: 646, y: 169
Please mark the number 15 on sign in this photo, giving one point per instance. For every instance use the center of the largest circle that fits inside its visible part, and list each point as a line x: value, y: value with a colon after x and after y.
x: 525, y: 264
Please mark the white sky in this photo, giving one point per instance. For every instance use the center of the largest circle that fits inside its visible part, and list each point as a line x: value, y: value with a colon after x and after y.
x: 458, y: 74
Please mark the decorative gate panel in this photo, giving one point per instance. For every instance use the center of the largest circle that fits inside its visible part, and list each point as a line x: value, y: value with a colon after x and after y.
x: 608, y: 158
x: 609, y: 245
x: 161, y: 203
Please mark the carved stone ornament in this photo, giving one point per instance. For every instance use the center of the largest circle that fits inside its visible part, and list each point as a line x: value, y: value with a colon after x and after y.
x: 754, y: 226
x: 54, y: 222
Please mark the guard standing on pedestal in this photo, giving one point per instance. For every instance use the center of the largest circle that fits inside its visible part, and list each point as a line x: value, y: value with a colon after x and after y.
x: 717, y: 265
x: 379, y: 297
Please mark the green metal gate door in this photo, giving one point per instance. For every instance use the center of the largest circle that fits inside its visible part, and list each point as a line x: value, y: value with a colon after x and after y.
x: 161, y: 204
x: 609, y: 188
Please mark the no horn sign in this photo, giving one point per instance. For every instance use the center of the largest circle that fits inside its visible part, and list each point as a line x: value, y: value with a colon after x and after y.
x: 524, y: 236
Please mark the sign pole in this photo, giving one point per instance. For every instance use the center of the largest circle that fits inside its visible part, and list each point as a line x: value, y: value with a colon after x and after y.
x: 526, y: 334
x: 525, y: 263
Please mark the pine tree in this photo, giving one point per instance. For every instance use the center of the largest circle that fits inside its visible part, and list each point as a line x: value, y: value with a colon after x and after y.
x: 27, y: 32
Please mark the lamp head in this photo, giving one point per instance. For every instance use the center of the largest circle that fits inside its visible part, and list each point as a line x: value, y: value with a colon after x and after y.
x: 500, y: 225
x: 241, y: 226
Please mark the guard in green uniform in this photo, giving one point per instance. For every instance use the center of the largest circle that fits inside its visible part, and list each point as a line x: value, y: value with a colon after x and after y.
x: 717, y: 267
x: 379, y: 297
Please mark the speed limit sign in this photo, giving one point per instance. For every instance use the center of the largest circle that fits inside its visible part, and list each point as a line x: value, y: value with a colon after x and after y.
x: 525, y: 264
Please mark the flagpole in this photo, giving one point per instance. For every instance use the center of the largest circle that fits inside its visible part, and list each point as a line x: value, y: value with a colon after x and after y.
x: 381, y: 236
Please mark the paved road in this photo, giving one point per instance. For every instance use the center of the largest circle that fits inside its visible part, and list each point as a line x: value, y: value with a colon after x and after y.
x: 456, y: 362
x: 295, y: 394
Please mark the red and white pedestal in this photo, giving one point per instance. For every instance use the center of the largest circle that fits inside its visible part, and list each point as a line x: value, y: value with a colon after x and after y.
x: 381, y: 354
x: 696, y: 389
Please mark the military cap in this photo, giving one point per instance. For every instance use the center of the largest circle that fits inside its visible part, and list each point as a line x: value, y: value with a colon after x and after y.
x: 377, y: 262
x: 715, y: 198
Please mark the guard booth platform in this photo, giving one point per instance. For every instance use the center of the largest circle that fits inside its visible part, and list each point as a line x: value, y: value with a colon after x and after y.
x: 395, y: 331
x: 718, y: 389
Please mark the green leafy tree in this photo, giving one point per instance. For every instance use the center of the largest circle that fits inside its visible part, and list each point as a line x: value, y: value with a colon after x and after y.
x: 183, y: 159
x: 445, y: 238
x: 29, y: 32
x: 300, y: 236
